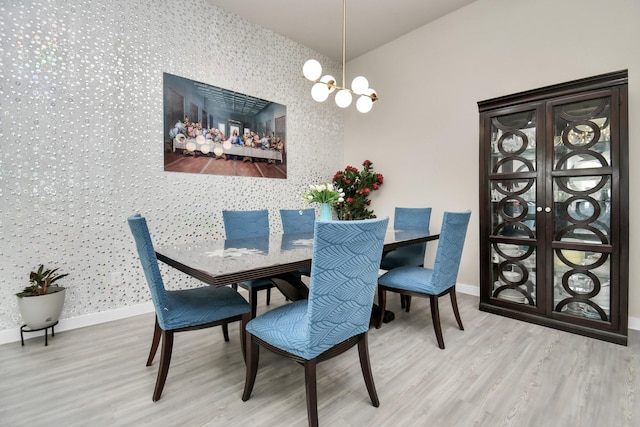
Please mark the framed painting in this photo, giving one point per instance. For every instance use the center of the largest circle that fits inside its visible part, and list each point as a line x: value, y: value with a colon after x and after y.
x: 216, y: 131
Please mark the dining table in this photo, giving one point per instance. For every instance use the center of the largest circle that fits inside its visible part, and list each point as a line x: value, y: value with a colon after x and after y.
x: 280, y: 257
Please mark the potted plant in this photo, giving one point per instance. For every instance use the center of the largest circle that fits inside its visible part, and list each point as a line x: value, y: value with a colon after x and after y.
x: 357, y: 186
x: 41, y: 303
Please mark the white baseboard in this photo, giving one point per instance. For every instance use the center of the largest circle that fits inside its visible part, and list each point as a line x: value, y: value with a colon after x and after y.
x: 468, y: 289
x: 12, y: 335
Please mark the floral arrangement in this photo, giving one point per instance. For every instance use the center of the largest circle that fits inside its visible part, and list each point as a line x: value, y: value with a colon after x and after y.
x: 357, y: 186
x: 323, y: 193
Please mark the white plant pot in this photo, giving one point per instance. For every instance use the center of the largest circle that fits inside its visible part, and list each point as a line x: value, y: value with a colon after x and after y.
x: 42, y: 311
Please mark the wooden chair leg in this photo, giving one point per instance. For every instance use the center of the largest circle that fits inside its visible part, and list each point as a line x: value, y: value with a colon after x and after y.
x: 435, y: 315
x: 402, y: 302
x: 243, y: 335
x: 165, y: 361
x: 253, y: 302
x: 157, y: 333
x: 225, y: 331
x: 454, y: 304
x: 268, y: 296
x: 407, y: 302
x: 365, y: 364
x: 382, y: 302
x: 312, y: 392
x: 253, y: 354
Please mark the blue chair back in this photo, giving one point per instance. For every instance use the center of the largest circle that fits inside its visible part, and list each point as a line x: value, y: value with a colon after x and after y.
x: 344, y: 276
x: 450, y: 245
x: 295, y: 221
x: 409, y: 219
x: 243, y: 224
x: 147, y: 254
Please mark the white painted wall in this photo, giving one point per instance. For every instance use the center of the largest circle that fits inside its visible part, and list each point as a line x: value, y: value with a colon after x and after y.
x: 423, y: 134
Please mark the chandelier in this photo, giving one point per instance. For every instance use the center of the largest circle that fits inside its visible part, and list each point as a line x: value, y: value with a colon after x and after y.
x: 327, y: 84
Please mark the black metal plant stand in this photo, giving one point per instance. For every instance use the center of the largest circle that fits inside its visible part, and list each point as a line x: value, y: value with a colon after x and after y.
x: 46, y: 340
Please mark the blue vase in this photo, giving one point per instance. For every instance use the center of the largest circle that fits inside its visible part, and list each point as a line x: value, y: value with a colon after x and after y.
x: 325, y: 212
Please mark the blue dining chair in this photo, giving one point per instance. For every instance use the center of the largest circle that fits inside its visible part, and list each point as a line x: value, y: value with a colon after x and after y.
x: 408, y: 219
x: 296, y: 221
x: 242, y: 225
x: 185, y: 309
x: 335, y: 317
x: 431, y: 282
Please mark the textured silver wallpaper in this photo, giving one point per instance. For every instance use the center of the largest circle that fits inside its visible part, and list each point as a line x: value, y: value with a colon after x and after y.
x: 81, y: 131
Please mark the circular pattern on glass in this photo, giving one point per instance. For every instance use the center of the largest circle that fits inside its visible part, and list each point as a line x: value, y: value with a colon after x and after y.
x: 581, y: 210
x: 581, y: 134
x: 513, y: 208
x: 512, y: 143
x: 581, y: 283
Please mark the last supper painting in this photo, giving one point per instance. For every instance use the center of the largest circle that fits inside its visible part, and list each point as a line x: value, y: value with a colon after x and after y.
x: 216, y: 131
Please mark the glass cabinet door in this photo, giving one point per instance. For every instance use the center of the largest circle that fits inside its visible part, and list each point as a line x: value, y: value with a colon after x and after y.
x: 513, y: 207
x: 582, y: 178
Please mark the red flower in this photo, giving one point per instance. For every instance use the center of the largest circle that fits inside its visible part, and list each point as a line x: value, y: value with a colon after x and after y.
x: 357, y: 185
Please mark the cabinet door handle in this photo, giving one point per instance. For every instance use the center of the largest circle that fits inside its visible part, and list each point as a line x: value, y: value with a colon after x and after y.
x: 539, y: 209
x: 547, y: 209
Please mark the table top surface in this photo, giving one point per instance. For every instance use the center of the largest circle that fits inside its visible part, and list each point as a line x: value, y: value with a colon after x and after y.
x: 220, y: 262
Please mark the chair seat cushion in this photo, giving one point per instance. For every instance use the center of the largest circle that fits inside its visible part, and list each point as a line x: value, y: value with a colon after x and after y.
x: 284, y: 327
x: 257, y: 284
x: 198, y: 306
x: 416, y: 279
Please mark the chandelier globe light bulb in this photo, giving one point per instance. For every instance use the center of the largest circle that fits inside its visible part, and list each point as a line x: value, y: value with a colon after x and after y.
x: 343, y: 98
x: 359, y: 85
x: 320, y: 92
x: 312, y: 70
x: 364, y: 104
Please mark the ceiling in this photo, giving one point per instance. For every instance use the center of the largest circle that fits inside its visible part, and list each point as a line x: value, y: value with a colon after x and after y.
x: 318, y: 23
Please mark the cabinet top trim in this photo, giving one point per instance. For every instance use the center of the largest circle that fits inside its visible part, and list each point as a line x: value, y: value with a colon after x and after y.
x: 596, y: 82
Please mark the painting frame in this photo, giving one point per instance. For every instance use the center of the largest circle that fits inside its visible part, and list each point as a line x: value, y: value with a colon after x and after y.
x: 248, y: 138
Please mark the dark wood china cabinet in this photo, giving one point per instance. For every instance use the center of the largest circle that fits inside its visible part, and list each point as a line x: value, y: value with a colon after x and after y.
x: 554, y: 206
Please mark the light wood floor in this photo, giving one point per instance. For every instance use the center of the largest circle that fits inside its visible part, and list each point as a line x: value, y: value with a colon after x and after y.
x: 498, y: 372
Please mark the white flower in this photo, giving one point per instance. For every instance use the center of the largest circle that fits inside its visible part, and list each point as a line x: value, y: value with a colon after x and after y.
x: 330, y: 187
x: 341, y: 199
x: 321, y: 187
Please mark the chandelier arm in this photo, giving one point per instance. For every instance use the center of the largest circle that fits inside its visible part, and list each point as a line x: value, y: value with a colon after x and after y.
x: 344, y: 41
